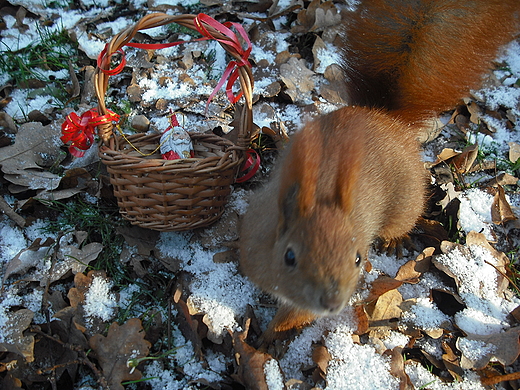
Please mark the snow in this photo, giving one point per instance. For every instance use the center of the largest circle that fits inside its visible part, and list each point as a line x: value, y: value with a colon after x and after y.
x: 217, y: 288
x: 423, y: 379
x: 8, y: 300
x: 475, y: 349
x: 162, y: 378
x: 486, y: 311
x: 22, y: 103
x: 424, y: 314
x: 395, y: 339
x: 12, y: 241
x: 354, y: 366
x: 327, y: 56
x: 475, y: 212
x: 99, y: 301
x: 273, y: 375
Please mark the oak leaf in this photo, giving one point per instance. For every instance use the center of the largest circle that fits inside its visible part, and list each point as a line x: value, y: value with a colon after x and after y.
x: 478, y: 350
x: 317, y: 17
x: 35, y: 148
x: 13, y: 339
x: 382, y: 285
x: 114, y: 351
x: 250, y: 362
x: 298, y: 79
x: 501, y: 211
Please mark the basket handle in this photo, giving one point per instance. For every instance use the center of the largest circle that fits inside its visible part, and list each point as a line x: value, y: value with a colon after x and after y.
x: 210, y: 29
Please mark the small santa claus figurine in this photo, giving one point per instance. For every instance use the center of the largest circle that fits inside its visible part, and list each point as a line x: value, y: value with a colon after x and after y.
x: 176, y: 142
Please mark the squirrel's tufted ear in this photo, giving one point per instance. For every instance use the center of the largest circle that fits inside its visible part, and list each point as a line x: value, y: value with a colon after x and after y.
x: 301, y: 169
x: 347, y: 159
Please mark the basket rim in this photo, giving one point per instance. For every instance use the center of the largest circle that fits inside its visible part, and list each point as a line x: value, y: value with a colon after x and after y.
x: 117, y: 159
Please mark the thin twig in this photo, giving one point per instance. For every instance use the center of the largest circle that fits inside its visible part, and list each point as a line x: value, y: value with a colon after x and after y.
x: 8, y: 210
x: 500, y: 378
x: 503, y: 274
x: 82, y: 356
x: 54, y: 257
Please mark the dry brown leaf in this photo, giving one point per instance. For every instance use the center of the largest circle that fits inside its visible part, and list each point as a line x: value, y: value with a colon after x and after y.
x: 502, y: 179
x: 501, y: 211
x: 445, y: 155
x: 451, y: 361
x: 321, y: 356
x: 188, y: 325
x: 361, y: 319
x: 334, y: 91
x: 7, y: 123
x: 397, y: 369
x: 464, y: 161
x: 475, y: 112
x: 316, y: 48
x: 382, y: 315
x: 67, y: 328
x: 250, y: 362
x: 474, y: 238
x: 451, y: 194
x: 514, y: 151
x: 71, y: 258
x: 35, y: 148
x: 88, y: 94
x: 298, y: 79
x: 503, y: 347
x: 516, y: 314
x: 317, y: 16
x: 144, y: 240
x: 59, y: 353
x: 26, y: 259
x: 114, y: 351
x: 413, y: 269
x: 14, y: 340
x: 381, y: 285
x: 490, y: 377
x: 387, y: 307
x: 9, y: 382
x: 326, y: 16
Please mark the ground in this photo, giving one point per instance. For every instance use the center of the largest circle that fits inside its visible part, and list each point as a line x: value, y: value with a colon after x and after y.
x: 90, y: 301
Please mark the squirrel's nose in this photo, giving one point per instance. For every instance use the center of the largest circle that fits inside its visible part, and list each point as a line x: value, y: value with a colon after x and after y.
x: 332, y: 301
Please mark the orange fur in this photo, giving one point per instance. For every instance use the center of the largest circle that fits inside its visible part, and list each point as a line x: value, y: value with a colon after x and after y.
x: 420, y: 57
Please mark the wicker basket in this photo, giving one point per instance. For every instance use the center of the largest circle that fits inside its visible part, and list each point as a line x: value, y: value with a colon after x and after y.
x: 172, y: 195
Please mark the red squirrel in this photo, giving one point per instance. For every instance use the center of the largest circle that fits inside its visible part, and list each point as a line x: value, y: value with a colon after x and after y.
x: 356, y: 174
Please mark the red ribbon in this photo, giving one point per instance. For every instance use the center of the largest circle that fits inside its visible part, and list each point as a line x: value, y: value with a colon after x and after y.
x: 252, y: 163
x: 80, y: 130
x: 102, y: 61
x: 231, y: 72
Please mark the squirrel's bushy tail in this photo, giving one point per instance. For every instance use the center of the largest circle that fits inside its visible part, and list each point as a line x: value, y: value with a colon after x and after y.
x: 416, y: 58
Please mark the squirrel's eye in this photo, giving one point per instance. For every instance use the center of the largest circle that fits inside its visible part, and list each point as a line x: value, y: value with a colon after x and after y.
x: 358, y: 259
x: 290, y: 258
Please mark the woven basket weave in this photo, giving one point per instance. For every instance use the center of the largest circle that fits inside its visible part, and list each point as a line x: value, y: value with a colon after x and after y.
x: 172, y: 195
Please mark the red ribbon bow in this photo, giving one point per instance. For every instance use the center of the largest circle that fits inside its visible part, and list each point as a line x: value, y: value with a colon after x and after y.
x: 231, y: 72
x: 80, y: 130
